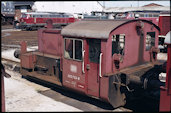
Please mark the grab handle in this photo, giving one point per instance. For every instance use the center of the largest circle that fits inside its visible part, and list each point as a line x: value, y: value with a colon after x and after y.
x: 100, y: 64
x: 83, y: 62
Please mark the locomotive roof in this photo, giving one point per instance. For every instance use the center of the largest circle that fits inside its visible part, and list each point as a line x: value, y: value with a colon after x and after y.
x: 95, y: 28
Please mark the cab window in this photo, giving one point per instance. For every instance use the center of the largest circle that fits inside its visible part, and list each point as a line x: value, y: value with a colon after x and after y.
x: 118, y: 44
x: 73, y: 49
x: 150, y: 40
x: 94, y: 50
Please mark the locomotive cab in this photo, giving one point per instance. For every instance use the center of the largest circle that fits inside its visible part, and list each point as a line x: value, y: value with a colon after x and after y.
x: 96, y: 53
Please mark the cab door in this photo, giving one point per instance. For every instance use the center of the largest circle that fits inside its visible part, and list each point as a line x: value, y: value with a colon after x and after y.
x: 93, y: 51
x: 73, y: 65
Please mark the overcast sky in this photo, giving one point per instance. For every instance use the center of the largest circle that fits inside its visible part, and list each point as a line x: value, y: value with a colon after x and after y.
x: 133, y: 3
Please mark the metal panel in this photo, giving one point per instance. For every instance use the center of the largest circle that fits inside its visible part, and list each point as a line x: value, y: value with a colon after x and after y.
x: 50, y: 41
x: 27, y: 60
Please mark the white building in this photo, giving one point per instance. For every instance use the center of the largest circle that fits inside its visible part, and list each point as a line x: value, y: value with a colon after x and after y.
x: 67, y: 6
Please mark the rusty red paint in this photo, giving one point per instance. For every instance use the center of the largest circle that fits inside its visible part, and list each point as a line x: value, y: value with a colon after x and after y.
x: 130, y: 57
x: 27, y: 60
x: 164, y: 24
x: 165, y: 92
x: 51, y: 43
x: 23, y: 45
x: 131, y: 45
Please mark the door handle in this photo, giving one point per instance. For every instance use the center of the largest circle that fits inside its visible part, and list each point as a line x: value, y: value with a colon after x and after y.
x: 83, y: 62
x: 100, y: 65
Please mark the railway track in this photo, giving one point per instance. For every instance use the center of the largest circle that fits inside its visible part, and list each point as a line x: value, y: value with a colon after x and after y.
x: 10, y: 61
x: 6, y: 47
x: 11, y: 64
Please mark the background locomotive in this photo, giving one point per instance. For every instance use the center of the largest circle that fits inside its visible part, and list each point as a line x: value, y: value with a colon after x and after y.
x: 36, y: 20
x: 105, y: 59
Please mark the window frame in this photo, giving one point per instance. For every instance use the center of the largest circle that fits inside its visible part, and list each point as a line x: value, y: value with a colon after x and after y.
x: 119, y: 43
x: 73, y: 48
x: 141, y: 14
x: 90, y: 59
x: 155, y: 15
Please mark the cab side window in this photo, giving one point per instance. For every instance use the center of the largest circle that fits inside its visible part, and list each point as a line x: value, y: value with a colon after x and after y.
x: 150, y: 40
x: 78, y: 49
x: 68, y: 48
x: 118, y: 44
x: 94, y: 50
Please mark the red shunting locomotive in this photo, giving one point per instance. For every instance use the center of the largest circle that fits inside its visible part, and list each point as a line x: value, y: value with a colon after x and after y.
x: 105, y: 59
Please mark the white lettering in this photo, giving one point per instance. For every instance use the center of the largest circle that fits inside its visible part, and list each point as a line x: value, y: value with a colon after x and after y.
x: 67, y: 81
x: 80, y: 86
x: 73, y: 77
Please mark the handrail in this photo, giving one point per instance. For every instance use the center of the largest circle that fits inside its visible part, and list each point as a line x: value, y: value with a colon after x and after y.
x: 83, y: 61
x: 100, y: 65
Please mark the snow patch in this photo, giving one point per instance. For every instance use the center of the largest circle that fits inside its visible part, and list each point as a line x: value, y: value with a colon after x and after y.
x: 20, y: 96
x: 9, y: 54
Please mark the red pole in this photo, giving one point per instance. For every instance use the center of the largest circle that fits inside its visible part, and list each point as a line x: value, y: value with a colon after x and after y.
x: 2, y: 87
x: 2, y: 94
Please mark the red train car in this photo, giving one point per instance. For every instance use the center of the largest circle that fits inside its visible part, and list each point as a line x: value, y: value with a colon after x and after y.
x: 105, y: 59
x: 164, y: 24
x: 35, y: 20
x: 150, y: 16
x: 165, y: 93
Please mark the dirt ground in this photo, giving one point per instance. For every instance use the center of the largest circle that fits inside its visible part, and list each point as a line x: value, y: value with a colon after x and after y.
x: 6, y: 27
x: 10, y: 36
